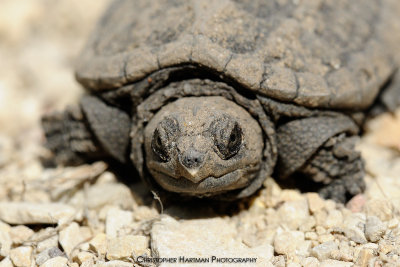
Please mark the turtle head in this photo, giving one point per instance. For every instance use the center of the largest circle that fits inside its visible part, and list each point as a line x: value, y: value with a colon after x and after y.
x: 203, y: 146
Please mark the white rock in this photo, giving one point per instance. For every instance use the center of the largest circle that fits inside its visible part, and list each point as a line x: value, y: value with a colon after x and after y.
x: 393, y: 223
x: 335, y: 263
x: 83, y: 256
x: 334, y: 219
x: 264, y: 251
x: 100, y: 195
x: 50, y: 242
x: 56, y: 262
x: 293, y: 213
x: 115, y: 263
x: 364, y: 256
x: 99, y: 244
x: 315, y: 202
x: 126, y: 246
x: 310, y: 262
x: 371, y: 246
x: 5, y: 243
x: 288, y: 242
x: 4, y: 227
x: 87, y: 263
x: 116, y: 220
x: 70, y: 237
x: 71, y: 178
x: 6, y: 262
x: 325, y: 238
x: 279, y: 261
x: 142, y: 213
x: 353, y: 226
x: 308, y: 225
x: 374, y: 228
x: 311, y: 236
x: 35, y: 213
x: 202, y: 238
x: 47, y: 254
x: 20, y: 234
x: 324, y: 250
x: 21, y: 256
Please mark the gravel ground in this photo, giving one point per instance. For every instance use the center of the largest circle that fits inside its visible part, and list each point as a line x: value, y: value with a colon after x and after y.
x: 83, y: 216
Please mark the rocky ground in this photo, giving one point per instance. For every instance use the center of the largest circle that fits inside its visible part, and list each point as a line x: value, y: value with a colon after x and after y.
x: 84, y: 216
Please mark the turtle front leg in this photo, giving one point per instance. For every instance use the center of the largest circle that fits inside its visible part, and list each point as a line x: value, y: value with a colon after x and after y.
x: 69, y: 137
x: 338, y: 167
x: 322, y: 149
x: 90, y: 131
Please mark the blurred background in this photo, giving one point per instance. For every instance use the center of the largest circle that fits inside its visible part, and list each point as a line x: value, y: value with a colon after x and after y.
x: 39, y: 40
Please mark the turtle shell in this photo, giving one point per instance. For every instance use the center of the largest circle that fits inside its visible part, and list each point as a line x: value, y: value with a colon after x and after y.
x: 315, y: 53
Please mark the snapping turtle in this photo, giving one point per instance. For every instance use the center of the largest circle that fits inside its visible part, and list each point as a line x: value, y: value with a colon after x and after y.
x: 208, y: 98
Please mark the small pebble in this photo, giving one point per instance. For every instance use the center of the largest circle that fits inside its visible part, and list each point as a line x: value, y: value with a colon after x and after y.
x: 99, y: 244
x: 374, y: 228
x: 372, y: 246
x: 114, y: 263
x: 126, y: 246
x: 6, y: 262
x: 293, y: 213
x: 326, y: 238
x: 83, y: 256
x: 293, y: 264
x: 334, y: 219
x: 35, y: 213
x: 335, y: 263
x: 315, y: 202
x: 320, y: 230
x: 118, y: 194
x: 5, y: 242
x: 116, y: 220
x: 393, y: 223
x: 385, y: 248
x: 354, y: 225
x: 21, y: 256
x: 330, y: 205
x: 308, y: 224
x: 364, y: 256
x: 88, y: 263
x: 323, y: 251
x: 144, y: 213
x: 47, y: 243
x: 70, y: 237
x: 56, y: 262
x: 311, y: 236
x: 357, y: 203
x: 287, y: 242
x: 20, y: 234
x: 279, y: 261
x: 310, y: 262
x: 48, y: 254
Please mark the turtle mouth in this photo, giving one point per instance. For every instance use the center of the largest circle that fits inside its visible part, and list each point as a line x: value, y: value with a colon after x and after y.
x: 210, y: 185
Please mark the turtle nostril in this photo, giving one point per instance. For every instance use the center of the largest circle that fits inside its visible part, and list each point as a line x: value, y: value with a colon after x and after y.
x: 192, y: 159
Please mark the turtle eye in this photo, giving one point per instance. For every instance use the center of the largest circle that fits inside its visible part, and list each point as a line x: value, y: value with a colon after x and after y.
x: 163, y: 138
x: 235, y: 140
x: 159, y: 147
x: 227, y: 138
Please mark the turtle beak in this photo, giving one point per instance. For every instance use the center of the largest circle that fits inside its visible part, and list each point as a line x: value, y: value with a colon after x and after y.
x: 192, y: 162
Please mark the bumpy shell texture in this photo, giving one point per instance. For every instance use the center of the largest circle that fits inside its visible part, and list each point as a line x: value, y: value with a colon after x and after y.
x: 315, y: 53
